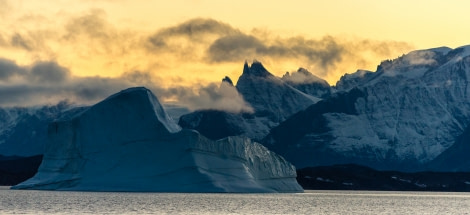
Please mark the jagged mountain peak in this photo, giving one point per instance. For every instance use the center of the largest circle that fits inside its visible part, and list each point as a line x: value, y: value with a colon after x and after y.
x: 303, y: 76
x: 256, y: 69
x: 304, y: 71
x: 227, y: 80
x: 269, y: 95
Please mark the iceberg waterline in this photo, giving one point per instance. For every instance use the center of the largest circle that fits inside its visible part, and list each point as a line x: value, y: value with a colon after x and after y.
x: 128, y: 143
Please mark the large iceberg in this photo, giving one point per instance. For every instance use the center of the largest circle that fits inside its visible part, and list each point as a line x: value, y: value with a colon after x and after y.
x: 128, y: 143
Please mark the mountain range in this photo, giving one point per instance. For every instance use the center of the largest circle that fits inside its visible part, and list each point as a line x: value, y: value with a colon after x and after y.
x: 411, y: 114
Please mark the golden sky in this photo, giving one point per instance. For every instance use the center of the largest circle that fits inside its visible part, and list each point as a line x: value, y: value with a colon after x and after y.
x: 188, y: 45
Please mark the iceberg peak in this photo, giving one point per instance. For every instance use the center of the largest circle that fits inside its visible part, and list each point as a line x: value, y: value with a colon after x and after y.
x: 128, y: 143
x: 144, y: 101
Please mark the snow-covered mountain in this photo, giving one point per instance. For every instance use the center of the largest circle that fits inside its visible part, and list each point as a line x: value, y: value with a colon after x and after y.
x: 455, y: 158
x: 269, y: 95
x: 412, y: 113
x: 308, y: 83
x: 129, y: 143
x: 349, y: 81
x: 402, y: 116
x: 23, y: 131
x: 272, y: 99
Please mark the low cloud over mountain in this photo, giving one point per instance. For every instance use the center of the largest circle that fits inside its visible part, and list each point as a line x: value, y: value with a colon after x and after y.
x: 85, y: 57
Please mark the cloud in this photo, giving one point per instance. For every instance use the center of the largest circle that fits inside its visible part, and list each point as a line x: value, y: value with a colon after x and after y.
x: 82, y: 91
x: 93, y: 24
x: 49, y: 83
x: 86, y: 44
x: 3, y: 42
x: 8, y: 69
x: 193, y: 29
x: 181, y: 63
x: 234, y: 48
x: 326, y: 55
x: 4, y: 8
x: 138, y: 77
x: 219, y: 97
x: 422, y: 57
x: 48, y: 72
x: 92, y: 89
x: 96, y: 36
x: 187, y: 40
x: 198, y: 27
x: 214, y: 42
x: 40, y: 72
x: 302, y: 76
x: 19, y: 42
x: 325, y: 52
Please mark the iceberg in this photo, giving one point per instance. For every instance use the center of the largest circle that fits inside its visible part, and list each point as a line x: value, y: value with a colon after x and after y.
x: 127, y: 142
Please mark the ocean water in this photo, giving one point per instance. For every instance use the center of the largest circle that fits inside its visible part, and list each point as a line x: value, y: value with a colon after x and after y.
x: 310, y: 202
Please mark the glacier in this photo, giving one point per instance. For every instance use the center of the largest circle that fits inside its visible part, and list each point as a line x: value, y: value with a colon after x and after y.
x: 128, y: 142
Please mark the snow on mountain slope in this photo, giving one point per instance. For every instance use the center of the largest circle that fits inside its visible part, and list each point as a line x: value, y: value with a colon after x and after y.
x: 272, y: 98
x: 128, y: 143
x: 412, y: 110
x: 349, y: 81
x: 23, y: 130
x: 420, y: 102
x: 308, y: 83
x: 269, y: 95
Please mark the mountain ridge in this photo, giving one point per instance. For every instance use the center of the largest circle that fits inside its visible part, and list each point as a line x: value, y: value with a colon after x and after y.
x: 414, y: 108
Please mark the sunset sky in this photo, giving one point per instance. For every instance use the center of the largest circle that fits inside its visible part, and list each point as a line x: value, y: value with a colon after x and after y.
x: 85, y: 50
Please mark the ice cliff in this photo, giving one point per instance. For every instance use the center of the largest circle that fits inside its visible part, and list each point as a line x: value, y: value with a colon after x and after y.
x: 128, y: 143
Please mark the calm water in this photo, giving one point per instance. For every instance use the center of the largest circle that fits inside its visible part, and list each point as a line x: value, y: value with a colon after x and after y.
x: 311, y: 202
